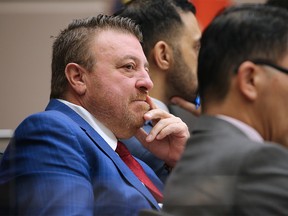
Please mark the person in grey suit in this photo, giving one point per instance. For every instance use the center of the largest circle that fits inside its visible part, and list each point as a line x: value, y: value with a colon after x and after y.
x: 171, y: 41
x: 236, y: 162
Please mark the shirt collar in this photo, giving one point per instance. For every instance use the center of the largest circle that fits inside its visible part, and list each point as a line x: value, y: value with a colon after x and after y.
x: 250, y: 132
x: 100, y: 128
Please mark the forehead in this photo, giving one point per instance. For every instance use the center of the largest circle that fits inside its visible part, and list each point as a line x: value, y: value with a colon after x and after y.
x: 191, y: 28
x: 115, y: 42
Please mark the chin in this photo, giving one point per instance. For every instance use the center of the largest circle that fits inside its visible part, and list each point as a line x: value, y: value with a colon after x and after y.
x: 137, y: 119
x: 139, y: 124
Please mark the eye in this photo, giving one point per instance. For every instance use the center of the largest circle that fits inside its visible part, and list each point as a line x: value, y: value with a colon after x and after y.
x: 129, y: 66
x: 147, y: 69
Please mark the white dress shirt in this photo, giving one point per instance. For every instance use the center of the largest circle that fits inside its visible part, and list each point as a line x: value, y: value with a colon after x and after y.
x: 101, y: 129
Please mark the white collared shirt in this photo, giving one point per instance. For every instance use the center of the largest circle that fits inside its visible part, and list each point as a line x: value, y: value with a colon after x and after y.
x: 250, y: 132
x: 101, y: 129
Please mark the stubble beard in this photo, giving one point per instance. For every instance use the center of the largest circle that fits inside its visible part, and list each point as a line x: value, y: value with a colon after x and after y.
x: 181, y: 81
x: 135, y: 115
x: 132, y: 119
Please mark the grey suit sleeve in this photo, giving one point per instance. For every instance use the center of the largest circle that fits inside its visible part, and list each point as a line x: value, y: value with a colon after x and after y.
x: 251, y: 181
x: 262, y: 187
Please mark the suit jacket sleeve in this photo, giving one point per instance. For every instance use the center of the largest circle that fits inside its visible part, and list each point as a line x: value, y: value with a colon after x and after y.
x: 55, y: 180
x: 262, y: 182
x: 254, y: 182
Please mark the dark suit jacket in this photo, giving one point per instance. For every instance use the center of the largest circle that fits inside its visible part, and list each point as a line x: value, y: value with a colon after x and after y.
x: 57, y: 164
x: 222, y: 172
x: 137, y: 149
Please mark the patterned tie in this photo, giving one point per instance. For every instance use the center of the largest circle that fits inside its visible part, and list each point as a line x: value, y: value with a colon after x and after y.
x: 137, y: 169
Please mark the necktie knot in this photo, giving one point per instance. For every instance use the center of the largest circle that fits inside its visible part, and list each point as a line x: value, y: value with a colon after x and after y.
x: 122, y: 150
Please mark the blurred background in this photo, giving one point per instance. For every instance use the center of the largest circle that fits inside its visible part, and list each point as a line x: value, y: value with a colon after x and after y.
x: 27, y: 28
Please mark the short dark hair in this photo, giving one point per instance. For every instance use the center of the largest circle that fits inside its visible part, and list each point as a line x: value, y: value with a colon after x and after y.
x: 73, y: 45
x: 239, y: 33
x: 158, y: 19
x: 278, y: 3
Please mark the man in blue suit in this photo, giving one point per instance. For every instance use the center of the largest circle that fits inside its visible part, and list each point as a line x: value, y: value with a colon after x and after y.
x: 62, y: 161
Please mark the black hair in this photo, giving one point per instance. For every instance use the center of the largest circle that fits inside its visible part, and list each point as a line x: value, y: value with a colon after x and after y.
x: 239, y: 33
x: 158, y: 19
x: 278, y: 3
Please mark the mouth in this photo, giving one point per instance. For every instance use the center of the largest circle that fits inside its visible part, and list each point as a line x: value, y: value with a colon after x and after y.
x: 140, y: 98
x: 142, y: 103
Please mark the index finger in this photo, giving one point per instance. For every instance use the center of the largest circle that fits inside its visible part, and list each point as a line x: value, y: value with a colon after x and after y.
x: 151, y: 103
x: 156, y: 114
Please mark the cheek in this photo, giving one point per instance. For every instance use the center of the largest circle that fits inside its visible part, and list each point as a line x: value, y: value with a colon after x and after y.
x: 192, y: 64
x: 191, y: 58
x: 276, y: 100
x: 279, y: 89
x: 281, y: 104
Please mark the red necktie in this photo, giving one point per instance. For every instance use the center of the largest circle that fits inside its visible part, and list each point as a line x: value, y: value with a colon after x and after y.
x: 137, y: 169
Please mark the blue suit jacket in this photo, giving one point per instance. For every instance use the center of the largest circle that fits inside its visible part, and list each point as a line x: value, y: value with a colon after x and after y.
x: 57, y: 164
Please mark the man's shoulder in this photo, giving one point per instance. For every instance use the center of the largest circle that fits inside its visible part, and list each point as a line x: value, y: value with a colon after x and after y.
x: 187, y: 117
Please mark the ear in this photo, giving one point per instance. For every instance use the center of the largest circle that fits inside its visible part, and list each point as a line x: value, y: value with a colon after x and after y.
x: 163, y: 55
x: 74, y: 74
x: 247, y: 77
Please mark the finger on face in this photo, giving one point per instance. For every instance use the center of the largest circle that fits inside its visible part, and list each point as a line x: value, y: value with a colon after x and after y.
x: 151, y: 103
x: 156, y: 114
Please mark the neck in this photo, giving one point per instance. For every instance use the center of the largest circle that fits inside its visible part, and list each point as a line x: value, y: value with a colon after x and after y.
x: 158, y: 91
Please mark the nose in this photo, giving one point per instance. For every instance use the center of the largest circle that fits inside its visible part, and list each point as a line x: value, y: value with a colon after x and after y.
x: 144, y: 83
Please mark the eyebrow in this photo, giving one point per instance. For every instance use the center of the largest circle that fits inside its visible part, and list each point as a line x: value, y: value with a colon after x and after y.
x: 146, y: 64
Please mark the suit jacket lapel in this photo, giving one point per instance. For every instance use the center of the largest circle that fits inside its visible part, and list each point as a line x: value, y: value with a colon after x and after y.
x: 104, y: 147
